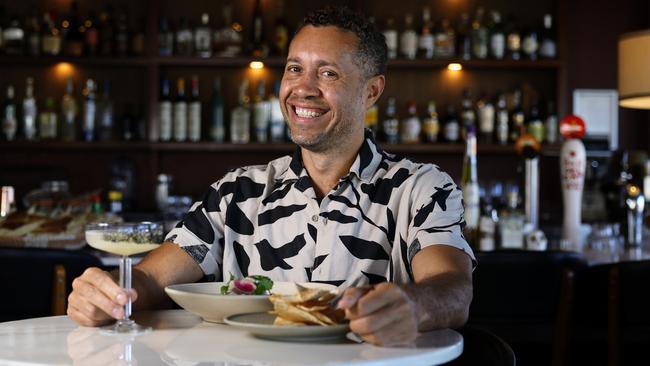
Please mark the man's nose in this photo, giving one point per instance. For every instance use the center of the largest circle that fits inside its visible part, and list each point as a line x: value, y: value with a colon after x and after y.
x: 307, y: 86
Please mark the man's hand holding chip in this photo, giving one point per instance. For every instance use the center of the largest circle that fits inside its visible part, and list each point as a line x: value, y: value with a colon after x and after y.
x: 382, y: 314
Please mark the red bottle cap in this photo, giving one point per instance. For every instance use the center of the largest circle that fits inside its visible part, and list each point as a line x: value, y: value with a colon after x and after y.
x: 572, y: 127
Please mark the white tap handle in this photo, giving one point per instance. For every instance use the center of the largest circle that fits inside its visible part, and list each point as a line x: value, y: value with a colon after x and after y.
x: 572, y: 174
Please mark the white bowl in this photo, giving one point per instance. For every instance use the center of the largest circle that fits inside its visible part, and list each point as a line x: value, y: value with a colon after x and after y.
x: 205, y: 299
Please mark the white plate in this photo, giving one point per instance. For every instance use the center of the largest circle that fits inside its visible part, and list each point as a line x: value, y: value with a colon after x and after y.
x: 205, y: 299
x: 261, y: 325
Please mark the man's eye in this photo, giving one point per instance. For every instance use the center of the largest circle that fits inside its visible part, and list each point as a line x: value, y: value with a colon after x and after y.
x: 293, y: 68
x: 329, y: 74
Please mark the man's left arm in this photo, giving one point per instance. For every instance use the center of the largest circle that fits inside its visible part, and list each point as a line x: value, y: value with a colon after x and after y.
x: 391, y: 314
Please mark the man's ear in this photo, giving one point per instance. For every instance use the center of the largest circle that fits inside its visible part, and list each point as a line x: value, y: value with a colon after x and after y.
x: 374, y: 88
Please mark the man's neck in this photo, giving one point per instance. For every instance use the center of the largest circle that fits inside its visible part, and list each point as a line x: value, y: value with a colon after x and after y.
x: 326, y: 168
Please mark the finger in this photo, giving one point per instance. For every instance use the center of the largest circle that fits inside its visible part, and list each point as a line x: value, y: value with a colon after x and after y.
x: 93, y: 302
x: 382, y: 295
x: 351, y: 296
x: 385, y: 338
x: 384, y: 318
x: 105, y: 284
x: 81, y: 318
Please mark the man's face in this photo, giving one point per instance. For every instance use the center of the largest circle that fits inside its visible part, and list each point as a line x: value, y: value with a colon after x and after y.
x: 323, y: 91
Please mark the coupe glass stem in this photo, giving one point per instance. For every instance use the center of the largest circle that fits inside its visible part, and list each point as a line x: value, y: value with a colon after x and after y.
x: 125, y: 283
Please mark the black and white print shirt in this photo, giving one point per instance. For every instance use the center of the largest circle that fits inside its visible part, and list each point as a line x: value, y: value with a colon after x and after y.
x: 267, y: 220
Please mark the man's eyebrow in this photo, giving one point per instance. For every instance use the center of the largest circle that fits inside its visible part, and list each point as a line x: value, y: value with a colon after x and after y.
x: 319, y: 63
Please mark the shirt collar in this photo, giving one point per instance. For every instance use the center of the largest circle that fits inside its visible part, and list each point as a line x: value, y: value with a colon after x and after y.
x: 364, y: 167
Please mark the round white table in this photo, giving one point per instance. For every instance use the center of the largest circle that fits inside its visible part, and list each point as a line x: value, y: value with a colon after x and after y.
x: 181, y: 338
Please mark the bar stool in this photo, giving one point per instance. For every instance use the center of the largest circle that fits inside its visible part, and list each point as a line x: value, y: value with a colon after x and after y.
x: 525, y: 298
x: 35, y: 282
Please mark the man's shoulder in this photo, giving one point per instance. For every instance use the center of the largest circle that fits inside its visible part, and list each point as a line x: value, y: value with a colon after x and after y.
x: 392, y: 163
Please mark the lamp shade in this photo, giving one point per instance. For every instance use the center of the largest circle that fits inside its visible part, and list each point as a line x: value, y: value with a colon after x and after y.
x: 634, y: 70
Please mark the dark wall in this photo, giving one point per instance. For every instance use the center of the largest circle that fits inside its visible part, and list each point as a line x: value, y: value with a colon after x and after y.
x: 593, y: 29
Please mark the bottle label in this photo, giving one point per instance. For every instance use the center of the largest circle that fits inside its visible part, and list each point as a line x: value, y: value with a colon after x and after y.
x: 165, y: 121
x: 180, y: 122
x: 409, y: 43
x: 89, y: 121
x: 261, y: 120
x: 411, y: 130
x: 487, y: 229
x: 194, y: 119
x: 391, y: 130
x: 452, y: 131
x: 427, y: 45
x: 548, y: 49
x: 551, y: 129
x: 498, y: 45
x: 486, y: 119
x: 471, y: 197
x: 391, y: 43
x: 530, y: 45
x: 431, y: 128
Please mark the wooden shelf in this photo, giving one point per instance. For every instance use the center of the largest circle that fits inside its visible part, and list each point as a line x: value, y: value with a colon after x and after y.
x: 206, y: 146
x: 275, y: 62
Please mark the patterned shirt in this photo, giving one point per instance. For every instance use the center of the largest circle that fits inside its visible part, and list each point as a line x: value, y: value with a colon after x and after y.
x: 268, y: 220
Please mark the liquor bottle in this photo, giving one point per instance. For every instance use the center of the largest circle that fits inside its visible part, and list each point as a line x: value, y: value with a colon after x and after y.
x: 217, y: 129
x: 550, y: 124
x: 480, y: 36
x: 184, y: 38
x: 280, y: 32
x: 411, y: 126
x: 203, y: 37
x: 9, y: 119
x: 390, y: 126
x: 29, y: 111
x: 488, y: 222
x: 228, y: 40
x: 513, y: 40
x: 138, y: 38
x: 165, y: 110
x: 90, y: 111
x: 194, y: 111
x: 511, y: 221
x: 463, y: 38
x: 372, y: 119
x: 122, y: 35
x: 451, y: 129
x: 106, y: 31
x: 431, y: 124
x: 469, y: 184
x: 408, y: 40
x: 486, y: 121
x: 51, y: 37
x: 502, y: 120
x: 180, y: 112
x: 91, y: 35
x: 33, y: 36
x: 517, y: 117
x: 257, y: 46
x: 240, y: 117
x: 497, y: 37
x: 392, y: 38
x: 445, y: 46
x: 69, y: 111
x: 426, y: 42
x: 535, y: 126
x: 261, y: 114
x: 13, y: 38
x: 277, y: 125
x: 74, y: 38
x: 165, y: 38
x: 467, y: 114
x: 530, y: 44
x: 548, y: 47
x: 105, y: 113
x: 47, y: 121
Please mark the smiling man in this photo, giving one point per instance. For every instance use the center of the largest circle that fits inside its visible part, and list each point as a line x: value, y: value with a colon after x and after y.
x: 339, y: 211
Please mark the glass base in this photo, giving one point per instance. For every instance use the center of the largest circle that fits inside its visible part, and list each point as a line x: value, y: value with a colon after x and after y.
x: 124, y: 327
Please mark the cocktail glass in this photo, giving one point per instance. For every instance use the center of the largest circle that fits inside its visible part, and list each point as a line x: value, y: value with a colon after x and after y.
x: 125, y: 239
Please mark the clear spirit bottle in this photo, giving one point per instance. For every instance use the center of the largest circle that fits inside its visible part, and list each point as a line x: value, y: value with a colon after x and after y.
x: 241, y: 117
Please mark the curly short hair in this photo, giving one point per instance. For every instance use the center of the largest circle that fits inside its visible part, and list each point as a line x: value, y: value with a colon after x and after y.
x: 372, y: 51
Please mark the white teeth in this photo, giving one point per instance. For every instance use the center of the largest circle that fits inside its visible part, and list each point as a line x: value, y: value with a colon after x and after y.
x: 306, y: 113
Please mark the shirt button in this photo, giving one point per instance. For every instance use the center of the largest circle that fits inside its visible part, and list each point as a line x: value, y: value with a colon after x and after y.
x: 314, y: 218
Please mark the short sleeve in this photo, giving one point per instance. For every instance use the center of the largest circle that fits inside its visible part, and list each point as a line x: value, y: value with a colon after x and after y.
x: 200, y: 232
x: 437, y: 216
